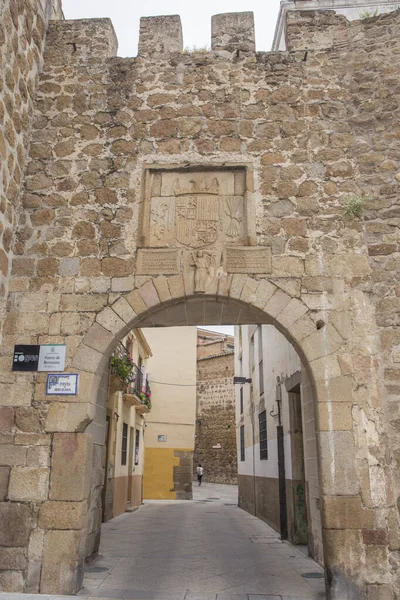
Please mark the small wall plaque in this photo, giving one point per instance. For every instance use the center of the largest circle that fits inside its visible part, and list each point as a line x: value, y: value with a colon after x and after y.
x: 26, y: 357
x: 62, y: 384
x: 52, y: 357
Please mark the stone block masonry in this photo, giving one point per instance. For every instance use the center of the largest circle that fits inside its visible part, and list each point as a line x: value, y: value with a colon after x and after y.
x: 215, y: 446
x: 267, y: 150
x: 22, y: 36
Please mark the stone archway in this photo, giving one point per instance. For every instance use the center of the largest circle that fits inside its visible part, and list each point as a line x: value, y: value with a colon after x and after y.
x: 159, y: 301
x: 157, y: 181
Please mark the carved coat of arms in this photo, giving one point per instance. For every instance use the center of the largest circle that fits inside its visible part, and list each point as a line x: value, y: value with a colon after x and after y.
x: 197, y: 212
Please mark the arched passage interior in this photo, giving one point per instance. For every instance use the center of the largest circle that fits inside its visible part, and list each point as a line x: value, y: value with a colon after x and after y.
x: 206, y: 310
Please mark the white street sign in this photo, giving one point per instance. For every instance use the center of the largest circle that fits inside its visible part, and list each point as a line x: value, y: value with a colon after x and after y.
x: 52, y: 357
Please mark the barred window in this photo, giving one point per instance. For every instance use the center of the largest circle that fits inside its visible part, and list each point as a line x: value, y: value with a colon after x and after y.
x: 262, y: 422
x: 261, y: 376
x: 242, y: 443
x: 124, y: 449
x: 260, y: 361
x: 137, y: 446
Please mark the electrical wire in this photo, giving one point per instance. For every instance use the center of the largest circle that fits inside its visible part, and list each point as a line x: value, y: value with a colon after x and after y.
x: 175, y: 384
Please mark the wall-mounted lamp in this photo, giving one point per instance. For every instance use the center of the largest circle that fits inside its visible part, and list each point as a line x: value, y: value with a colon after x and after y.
x: 241, y: 380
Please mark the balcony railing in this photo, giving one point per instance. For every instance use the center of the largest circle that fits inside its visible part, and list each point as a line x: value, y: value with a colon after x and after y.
x: 130, y: 374
x: 136, y: 385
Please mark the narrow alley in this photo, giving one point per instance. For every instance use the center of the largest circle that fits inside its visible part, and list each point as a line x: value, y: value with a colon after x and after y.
x: 205, y: 549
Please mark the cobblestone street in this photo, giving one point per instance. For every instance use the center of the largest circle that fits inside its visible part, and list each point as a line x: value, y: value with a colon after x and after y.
x: 208, y: 549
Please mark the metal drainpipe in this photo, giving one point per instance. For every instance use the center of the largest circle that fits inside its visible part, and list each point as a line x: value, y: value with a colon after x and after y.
x: 253, y: 408
x: 281, y: 464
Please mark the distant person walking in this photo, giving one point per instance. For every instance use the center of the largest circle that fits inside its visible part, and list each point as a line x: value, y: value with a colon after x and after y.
x: 199, y: 472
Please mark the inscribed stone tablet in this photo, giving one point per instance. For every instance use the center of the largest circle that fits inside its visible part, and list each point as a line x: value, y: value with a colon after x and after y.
x: 158, y: 262
x: 248, y: 260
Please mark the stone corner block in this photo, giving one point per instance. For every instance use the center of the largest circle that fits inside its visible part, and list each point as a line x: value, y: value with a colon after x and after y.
x: 62, y: 569
x: 71, y: 465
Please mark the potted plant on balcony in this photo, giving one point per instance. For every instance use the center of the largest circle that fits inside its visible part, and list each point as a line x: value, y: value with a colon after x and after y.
x: 122, y: 371
x: 145, y: 398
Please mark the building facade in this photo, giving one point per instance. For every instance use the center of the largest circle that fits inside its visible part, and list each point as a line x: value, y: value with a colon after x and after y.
x: 215, y: 445
x: 277, y: 448
x: 353, y: 10
x: 123, y: 400
x: 127, y: 405
x: 170, y: 427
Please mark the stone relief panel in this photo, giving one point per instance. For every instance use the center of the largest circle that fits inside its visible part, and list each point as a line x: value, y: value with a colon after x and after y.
x: 197, y: 209
x: 191, y: 218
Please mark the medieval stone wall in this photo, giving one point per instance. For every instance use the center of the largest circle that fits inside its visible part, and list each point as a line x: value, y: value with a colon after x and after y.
x: 215, y: 446
x: 299, y: 139
x: 22, y: 34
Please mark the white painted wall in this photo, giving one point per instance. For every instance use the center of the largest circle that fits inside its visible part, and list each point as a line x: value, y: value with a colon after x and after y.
x: 279, y: 360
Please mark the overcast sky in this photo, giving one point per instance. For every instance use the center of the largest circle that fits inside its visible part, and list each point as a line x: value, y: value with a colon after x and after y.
x: 196, y: 18
x: 226, y: 329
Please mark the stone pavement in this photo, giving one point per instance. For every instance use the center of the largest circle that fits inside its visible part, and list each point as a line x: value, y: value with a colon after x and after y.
x: 206, y: 549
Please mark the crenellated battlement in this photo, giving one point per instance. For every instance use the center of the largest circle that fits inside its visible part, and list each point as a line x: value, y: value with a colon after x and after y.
x: 232, y: 36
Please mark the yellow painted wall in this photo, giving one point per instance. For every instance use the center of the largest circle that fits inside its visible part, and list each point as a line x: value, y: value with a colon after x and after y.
x: 158, y: 474
x: 172, y: 374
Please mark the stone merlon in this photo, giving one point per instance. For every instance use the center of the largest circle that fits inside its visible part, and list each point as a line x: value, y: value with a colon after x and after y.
x: 232, y: 35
